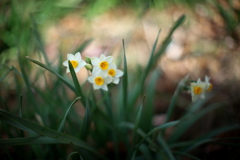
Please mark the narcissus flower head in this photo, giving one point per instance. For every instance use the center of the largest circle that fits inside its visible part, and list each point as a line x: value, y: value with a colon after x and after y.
x: 209, y: 85
x: 198, y: 90
x: 115, y: 74
x: 101, y: 65
x: 99, y: 81
x: 76, y: 62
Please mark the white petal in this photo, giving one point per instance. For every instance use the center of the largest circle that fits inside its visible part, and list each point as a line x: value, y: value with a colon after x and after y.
x: 207, y: 79
x: 104, y: 73
x: 112, y: 66
x: 202, y: 96
x: 70, y: 57
x: 77, y: 69
x: 109, y: 59
x: 95, y: 61
x: 78, y: 56
x: 198, y: 81
x: 115, y: 80
x: 96, y: 86
x: 67, y: 70
x: 194, y: 98
x: 82, y: 63
x: 108, y: 79
x: 65, y: 63
x: 104, y: 87
x: 119, y: 73
x: 96, y: 70
x: 102, y: 57
x: 90, y: 79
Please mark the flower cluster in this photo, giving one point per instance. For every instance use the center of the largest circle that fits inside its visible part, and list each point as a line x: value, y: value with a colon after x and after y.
x: 104, y: 71
x: 198, y: 89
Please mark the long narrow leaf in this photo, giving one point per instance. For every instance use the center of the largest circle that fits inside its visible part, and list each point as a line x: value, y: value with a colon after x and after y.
x: 86, y: 122
x: 20, y: 107
x: 154, y: 130
x: 168, y: 39
x: 54, y: 72
x: 144, y: 135
x: 139, y: 87
x: 76, y: 83
x: 28, y: 141
x: 174, y: 98
x: 83, y: 46
x: 137, y: 121
x: 38, y: 40
x: 187, y: 155
x: 71, y: 154
x: 44, y: 131
x: 150, y: 61
x: 165, y: 147
x: 125, y: 80
x: 60, y: 128
x: 190, y: 120
x: 4, y: 76
x: 211, y: 134
x: 27, y: 82
x: 146, y: 152
x: 146, y: 120
x: 11, y: 121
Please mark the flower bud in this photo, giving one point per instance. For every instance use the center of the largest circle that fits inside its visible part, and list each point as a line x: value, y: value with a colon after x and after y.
x: 88, y: 60
x: 89, y: 67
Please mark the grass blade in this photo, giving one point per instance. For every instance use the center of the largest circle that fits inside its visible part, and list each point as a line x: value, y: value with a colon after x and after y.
x: 168, y: 39
x: 54, y: 72
x: 60, y: 128
x: 86, y: 122
x: 143, y: 134
x: 125, y: 81
x: 156, y: 129
x: 77, y: 85
x: 4, y: 76
x: 174, y: 98
x: 208, y: 136
x: 190, y: 120
x: 83, y: 46
x: 137, y: 121
x: 17, y: 124
x: 29, y: 141
x: 39, y: 41
x: 150, y: 61
x: 146, y: 120
x: 20, y: 107
x: 71, y: 154
x: 187, y: 155
x: 27, y: 82
x: 146, y: 152
x: 165, y: 147
x: 44, y: 131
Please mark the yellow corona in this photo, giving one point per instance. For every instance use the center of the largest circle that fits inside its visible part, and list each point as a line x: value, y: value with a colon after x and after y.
x: 104, y: 65
x: 99, y: 81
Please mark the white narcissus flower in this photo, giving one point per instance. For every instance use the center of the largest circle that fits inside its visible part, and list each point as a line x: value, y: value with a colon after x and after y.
x: 198, y: 90
x: 115, y: 74
x: 209, y: 85
x: 76, y: 62
x: 99, y: 81
x: 101, y: 65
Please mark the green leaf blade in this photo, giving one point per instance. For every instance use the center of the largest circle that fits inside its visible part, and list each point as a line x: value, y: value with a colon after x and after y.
x: 76, y: 83
x: 60, y: 128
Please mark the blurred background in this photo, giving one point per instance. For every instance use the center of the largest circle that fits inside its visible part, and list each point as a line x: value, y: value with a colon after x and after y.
x: 208, y: 43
